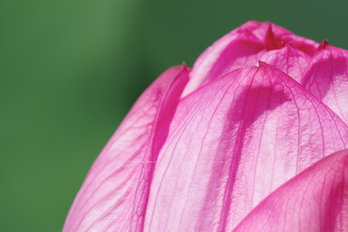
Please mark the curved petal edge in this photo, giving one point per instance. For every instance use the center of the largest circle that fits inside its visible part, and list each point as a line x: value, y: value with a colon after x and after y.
x: 314, y: 200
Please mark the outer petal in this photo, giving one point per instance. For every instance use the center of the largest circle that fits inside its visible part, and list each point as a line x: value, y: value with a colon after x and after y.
x: 114, y: 194
x: 315, y: 200
x: 327, y: 78
x: 234, y: 141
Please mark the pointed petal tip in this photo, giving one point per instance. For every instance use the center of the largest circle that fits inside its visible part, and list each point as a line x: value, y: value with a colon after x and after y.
x: 264, y: 66
x: 323, y: 45
x: 184, y: 67
x: 262, y: 63
x: 270, y: 42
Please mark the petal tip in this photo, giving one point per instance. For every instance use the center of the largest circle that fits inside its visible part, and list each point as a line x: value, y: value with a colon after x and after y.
x: 323, y: 45
x: 262, y: 63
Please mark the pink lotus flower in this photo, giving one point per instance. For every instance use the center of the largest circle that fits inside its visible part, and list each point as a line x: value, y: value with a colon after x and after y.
x: 249, y: 139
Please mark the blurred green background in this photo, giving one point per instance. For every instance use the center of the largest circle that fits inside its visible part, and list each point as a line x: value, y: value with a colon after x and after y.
x: 71, y: 69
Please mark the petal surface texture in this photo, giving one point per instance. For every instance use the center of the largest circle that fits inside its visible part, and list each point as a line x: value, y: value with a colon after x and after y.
x: 316, y: 200
x: 234, y: 141
x: 114, y: 194
x: 292, y: 61
x: 327, y: 78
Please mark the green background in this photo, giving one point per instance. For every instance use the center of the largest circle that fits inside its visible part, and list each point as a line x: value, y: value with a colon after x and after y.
x: 71, y: 69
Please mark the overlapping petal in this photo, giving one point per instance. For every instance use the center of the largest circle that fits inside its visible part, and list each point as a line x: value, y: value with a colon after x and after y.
x: 327, y: 78
x: 306, y: 45
x: 238, y: 48
x: 114, y: 194
x: 245, y: 46
x: 315, y: 200
x: 202, y: 148
x: 292, y: 61
x: 234, y: 141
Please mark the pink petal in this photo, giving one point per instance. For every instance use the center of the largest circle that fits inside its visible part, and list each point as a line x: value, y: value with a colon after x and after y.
x: 244, y: 46
x: 305, y: 45
x: 235, y: 50
x: 265, y: 34
x: 114, y: 194
x: 289, y: 60
x: 233, y: 142
x: 327, y: 78
x: 273, y: 36
x: 314, y: 200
